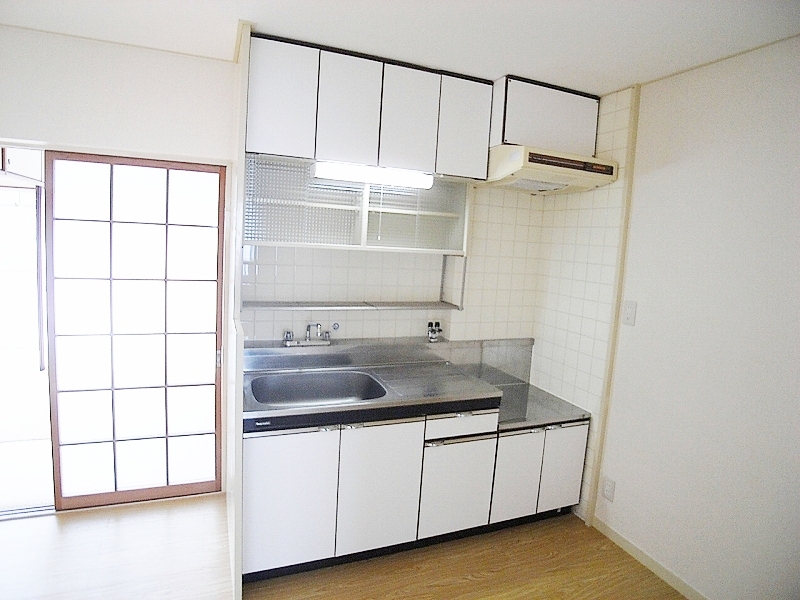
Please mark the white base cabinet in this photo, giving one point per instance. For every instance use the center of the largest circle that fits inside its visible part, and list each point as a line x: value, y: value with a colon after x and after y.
x: 289, y: 497
x: 516, y: 476
x: 456, y: 484
x: 379, y: 481
x: 562, y: 465
x: 311, y: 494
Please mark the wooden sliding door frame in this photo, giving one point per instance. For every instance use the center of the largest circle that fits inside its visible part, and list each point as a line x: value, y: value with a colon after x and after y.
x: 136, y: 495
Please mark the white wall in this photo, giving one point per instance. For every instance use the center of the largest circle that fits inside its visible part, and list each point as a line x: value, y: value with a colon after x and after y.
x: 71, y: 93
x: 703, y: 436
x: 67, y: 93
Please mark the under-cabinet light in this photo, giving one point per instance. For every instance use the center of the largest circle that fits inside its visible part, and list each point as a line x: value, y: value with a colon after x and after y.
x: 374, y: 175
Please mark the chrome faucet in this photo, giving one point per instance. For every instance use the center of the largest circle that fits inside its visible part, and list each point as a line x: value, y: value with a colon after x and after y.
x: 321, y: 339
x: 308, y: 330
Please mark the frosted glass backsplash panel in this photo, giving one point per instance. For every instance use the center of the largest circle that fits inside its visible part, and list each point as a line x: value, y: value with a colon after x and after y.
x: 286, y: 203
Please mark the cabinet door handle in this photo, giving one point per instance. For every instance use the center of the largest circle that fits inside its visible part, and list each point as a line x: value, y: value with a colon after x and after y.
x: 462, y: 440
x: 521, y: 432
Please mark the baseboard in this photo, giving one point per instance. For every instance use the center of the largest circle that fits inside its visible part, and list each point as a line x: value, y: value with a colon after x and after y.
x: 664, y: 573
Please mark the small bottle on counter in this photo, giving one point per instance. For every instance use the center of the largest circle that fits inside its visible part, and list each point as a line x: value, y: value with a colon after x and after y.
x: 434, y: 329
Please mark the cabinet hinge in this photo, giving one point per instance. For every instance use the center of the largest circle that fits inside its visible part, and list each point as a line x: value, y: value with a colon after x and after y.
x: 219, y: 358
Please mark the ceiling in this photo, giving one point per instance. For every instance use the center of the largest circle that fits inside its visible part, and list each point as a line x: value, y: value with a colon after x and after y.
x: 596, y: 46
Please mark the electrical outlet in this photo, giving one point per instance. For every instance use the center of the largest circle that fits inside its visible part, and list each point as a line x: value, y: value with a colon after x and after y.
x: 608, y: 489
x: 629, y: 312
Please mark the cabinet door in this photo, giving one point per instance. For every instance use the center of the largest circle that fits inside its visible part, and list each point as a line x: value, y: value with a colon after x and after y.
x: 516, y: 474
x: 282, y: 99
x: 409, y: 118
x: 379, y: 477
x: 25, y: 162
x: 562, y: 466
x: 464, y: 114
x: 349, y: 111
x: 551, y: 119
x: 456, y: 485
x: 289, y: 498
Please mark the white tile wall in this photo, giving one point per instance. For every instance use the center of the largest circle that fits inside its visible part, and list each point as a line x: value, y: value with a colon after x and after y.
x: 325, y: 274
x: 501, y: 277
x: 576, y: 261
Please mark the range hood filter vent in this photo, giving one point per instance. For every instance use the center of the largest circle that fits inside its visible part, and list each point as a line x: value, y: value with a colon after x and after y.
x: 541, y: 172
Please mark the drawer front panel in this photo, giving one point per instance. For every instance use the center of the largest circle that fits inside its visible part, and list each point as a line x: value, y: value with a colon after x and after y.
x: 458, y: 424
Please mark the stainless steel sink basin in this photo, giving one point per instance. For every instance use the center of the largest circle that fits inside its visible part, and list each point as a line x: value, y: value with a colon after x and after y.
x: 315, y: 388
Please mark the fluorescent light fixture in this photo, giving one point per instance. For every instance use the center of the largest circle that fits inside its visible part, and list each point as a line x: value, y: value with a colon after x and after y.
x: 374, y: 175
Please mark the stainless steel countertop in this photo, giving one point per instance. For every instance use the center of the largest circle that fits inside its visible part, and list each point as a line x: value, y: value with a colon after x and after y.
x: 416, y: 380
x: 525, y: 406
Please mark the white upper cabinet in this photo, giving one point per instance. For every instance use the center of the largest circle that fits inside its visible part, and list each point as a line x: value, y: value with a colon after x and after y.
x: 464, y: 115
x: 26, y: 162
x: 325, y: 105
x: 349, y: 113
x: 535, y: 115
x: 409, y: 118
x: 282, y: 99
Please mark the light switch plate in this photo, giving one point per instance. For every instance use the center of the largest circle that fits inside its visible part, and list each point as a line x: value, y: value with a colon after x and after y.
x: 608, y: 489
x: 629, y: 312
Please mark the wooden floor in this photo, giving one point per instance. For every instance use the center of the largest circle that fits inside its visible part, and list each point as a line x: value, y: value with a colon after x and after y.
x: 170, y: 549
x: 551, y: 559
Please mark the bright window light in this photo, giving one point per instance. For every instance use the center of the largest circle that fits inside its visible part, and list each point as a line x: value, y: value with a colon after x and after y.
x: 374, y: 175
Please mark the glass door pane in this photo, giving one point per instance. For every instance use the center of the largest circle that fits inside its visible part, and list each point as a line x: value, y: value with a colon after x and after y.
x: 135, y: 331
x: 26, y: 467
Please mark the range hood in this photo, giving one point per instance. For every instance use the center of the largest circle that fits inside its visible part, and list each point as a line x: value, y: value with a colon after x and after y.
x: 543, y: 172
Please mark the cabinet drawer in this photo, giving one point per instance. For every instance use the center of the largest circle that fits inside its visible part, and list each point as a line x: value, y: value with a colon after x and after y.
x: 457, y: 424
